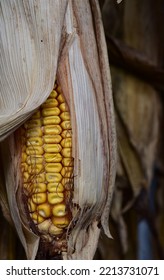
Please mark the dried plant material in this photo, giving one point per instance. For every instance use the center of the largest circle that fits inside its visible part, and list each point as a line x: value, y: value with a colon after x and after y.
x: 28, y: 85
x: 141, y: 139
x: 132, y: 45
x: 3, y: 195
x: 83, y: 74
x: 11, y: 247
x: 30, y: 50
x: 136, y: 102
x: 130, y: 159
x: 135, y: 61
x: 7, y: 247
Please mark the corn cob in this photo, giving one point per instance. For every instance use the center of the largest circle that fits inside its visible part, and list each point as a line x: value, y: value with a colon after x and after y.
x: 47, y: 168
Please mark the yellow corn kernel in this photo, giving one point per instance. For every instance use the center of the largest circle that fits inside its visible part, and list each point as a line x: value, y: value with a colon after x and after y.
x: 55, y: 230
x: 39, y: 198
x: 33, y: 123
x: 24, y: 157
x: 39, y: 187
x: 34, y: 150
x: 50, y: 112
x: 53, y: 177
x: 24, y: 167
x: 36, y: 115
x: 52, y: 139
x: 66, y: 133
x: 35, y: 168
x: 66, y: 143
x: 55, y: 157
x: 35, y: 141
x: 53, y: 167
x: 50, y: 103
x: 37, y: 219
x: 59, y: 90
x: 31, y: 205
x: 52, y: 129
x: 25, y: 186
x: 67, y: 172
x: 66, y: 125
x: 54, y: 198
x: 34, y: 132
x: 60, y: 222
x: 34, y: 159
x: 59, y: 210
x: 65, y: 116
x: 63, y: 107
x: 44, y: 226
x: 53, y: 94
x: 52, y: 148
x: 40, y: 178
x: 55, y: 187
x: 66, y: 152
x: 67, y: 161
x: 60, y: 98
x: 44, y: 210
x: 51, y: 120
x: 47, y: 165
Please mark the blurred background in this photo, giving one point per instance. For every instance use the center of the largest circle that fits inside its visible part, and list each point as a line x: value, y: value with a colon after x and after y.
x: 134, y: 33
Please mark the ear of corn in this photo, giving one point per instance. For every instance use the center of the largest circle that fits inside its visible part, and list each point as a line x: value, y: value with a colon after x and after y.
x: 79, y: 59
x: 47, y: 167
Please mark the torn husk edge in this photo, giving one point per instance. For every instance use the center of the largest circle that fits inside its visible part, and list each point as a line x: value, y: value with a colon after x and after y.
x: 83, y: 73
x: 98, y: 84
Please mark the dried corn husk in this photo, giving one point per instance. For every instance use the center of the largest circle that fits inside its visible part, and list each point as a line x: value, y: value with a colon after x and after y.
x: 83, y: 72
x: 10, y: 248
x: 30, y: 50
x: 3, y: 197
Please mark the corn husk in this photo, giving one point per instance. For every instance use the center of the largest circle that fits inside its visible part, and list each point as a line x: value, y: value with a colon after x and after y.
x: 30, y: 51
x: 79, y: 60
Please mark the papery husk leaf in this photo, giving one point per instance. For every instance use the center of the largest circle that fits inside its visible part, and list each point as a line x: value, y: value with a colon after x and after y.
x: 83, y: 73
x: 87, y: 88
x: 7, y: 240
x: 10, y: 159
x: 10, y: 246
x: 130, y: 158
x: 137, y: 125
x: 3, y: 194
x: 29, y: 55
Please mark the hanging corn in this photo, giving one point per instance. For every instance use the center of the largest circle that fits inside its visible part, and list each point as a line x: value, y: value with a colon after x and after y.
x: 57, y: 137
